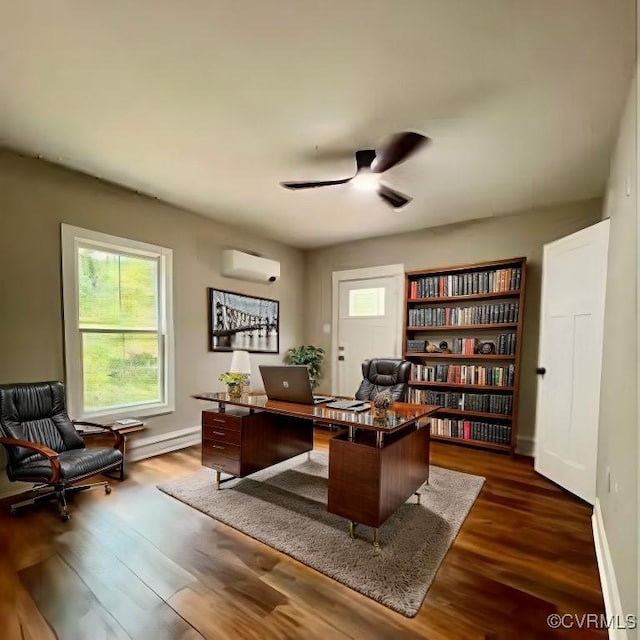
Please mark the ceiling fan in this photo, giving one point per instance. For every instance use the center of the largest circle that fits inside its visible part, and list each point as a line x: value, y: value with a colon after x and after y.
x: 368, y: 162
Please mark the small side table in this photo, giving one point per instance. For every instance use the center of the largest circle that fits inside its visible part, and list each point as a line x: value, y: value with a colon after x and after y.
x: 100, y: 435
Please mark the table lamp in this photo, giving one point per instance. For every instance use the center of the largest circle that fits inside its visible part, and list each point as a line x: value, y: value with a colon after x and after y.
x: 241, y: 363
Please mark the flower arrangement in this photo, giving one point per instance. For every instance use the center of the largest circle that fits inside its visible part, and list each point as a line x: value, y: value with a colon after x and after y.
x: 234, y: 381
x: 231, y: 377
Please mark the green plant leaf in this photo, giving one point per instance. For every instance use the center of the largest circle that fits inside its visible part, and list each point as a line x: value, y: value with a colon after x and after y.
x: 310, y: 356
x: 231, y: 377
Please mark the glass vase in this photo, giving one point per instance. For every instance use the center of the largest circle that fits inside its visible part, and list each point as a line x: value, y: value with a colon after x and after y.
x: 234, y: 390
x: 381, y: 412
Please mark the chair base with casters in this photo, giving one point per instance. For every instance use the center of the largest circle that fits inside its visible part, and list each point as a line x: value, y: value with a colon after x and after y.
x: 58, y: 493
x: 62, y: 473
x: 43, y: 446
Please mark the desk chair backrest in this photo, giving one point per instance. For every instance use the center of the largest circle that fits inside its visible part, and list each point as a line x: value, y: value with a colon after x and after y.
x: 36, y: 411
x: 384, y: 374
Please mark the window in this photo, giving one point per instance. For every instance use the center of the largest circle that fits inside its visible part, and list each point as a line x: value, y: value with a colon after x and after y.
x: 118, y: 325
x: 366, y: 302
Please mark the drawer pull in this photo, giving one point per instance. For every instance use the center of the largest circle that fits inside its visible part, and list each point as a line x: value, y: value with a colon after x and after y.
x: 217, y: 446
x: 221, y: 421
x: 218, y: 433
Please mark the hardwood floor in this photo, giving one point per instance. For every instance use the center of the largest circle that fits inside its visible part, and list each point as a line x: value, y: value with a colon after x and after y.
x: 139, y: 564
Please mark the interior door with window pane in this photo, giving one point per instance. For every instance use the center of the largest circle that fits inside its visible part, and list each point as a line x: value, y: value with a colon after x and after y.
x: 368, y: 327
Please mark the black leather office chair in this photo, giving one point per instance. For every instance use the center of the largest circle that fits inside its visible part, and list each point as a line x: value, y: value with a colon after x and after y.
x: 384, y: 374
x: 44, y: 447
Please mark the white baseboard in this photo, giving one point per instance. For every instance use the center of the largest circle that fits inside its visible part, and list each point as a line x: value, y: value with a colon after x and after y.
x: 610, y: 593
x: 149, y: 446
x: 526, y: 446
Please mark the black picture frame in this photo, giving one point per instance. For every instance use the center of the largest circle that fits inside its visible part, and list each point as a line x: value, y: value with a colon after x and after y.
x: 241, y: 321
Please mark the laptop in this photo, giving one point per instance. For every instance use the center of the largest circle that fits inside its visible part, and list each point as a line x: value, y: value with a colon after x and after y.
x: 289, y: 383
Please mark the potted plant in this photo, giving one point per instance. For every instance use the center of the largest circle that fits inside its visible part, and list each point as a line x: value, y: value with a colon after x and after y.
x: 234, y: 381
x: 310, y: 356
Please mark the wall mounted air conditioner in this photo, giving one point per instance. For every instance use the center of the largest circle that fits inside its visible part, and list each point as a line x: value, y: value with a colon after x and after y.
x: 244, y: 266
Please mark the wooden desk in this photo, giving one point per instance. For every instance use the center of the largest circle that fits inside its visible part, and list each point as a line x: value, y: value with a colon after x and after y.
x: 374, y: 465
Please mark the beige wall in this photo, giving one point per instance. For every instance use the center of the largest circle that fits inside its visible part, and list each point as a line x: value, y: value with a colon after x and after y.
x: 618, y: 432
x: 476, y: 241
x: 35, y: 197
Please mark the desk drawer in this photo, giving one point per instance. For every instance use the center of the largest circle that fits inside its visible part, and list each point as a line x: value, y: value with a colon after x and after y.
x: 212, y: 459
x: 221, y: 449
x: 221, y: 433
x: 215, y: 419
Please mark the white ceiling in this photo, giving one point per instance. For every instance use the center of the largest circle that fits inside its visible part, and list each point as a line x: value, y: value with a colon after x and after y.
x: 208, y: 104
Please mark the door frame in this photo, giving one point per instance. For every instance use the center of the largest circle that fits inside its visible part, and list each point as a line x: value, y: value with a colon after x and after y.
x: 384, y: 271
x: 633, y: 190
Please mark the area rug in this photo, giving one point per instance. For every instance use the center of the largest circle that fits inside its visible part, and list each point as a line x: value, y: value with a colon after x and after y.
x: 284, y: 506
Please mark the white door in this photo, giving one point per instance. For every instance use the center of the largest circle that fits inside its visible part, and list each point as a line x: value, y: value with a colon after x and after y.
x: 574, y: 276
x: 369, y: 312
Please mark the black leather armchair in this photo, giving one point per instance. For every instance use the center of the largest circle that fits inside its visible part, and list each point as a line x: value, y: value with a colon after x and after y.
x: 44, y: 447
x: 384, y: 374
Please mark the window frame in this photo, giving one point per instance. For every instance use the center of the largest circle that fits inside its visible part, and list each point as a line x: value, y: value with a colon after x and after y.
x: 72, y: 239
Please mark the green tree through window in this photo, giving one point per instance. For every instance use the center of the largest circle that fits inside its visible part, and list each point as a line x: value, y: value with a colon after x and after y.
x: 118, y: 309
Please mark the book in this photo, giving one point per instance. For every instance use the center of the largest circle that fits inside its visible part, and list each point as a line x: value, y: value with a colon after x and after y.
x: 126, y: 422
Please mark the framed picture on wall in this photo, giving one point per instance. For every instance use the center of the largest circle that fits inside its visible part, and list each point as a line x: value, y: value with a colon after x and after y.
x: 238, y: 321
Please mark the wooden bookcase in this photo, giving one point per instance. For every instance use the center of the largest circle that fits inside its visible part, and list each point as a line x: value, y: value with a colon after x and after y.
x: 478, y: 303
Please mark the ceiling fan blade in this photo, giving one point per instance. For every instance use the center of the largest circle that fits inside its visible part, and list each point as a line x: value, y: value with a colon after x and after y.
x: 394, y: 198
x: 400, y: 147
x: 313, y: 185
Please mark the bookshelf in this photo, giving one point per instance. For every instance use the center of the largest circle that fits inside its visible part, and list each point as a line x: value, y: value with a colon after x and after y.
x: 474, y: 308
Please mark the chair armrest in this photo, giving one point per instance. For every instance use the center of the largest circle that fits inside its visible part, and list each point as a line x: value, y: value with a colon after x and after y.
x: 50, y: 454
x: 119, y: 438
x: 27, y: 444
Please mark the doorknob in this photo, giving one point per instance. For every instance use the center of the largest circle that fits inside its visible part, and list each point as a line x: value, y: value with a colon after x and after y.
x: 541, y: 371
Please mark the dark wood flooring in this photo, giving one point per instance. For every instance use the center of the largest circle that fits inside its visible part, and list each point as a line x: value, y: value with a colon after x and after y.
x: 139, y: 564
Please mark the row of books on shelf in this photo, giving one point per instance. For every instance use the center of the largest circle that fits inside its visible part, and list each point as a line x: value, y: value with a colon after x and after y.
x: 460, y: 316
x: 504, y: 344
x: 466, y: 346
x: 484, y: 402
x: 471, y: 430
x: 462, y: 284
x: 502, y: 376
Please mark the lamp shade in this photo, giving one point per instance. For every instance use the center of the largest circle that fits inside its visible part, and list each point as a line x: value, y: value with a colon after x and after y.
x: 240, y: 362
